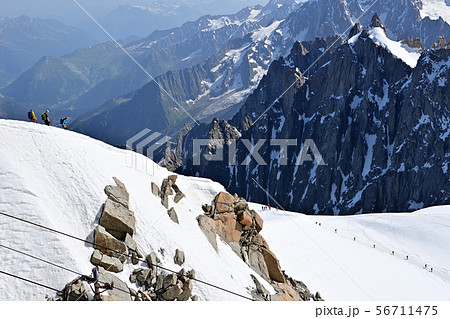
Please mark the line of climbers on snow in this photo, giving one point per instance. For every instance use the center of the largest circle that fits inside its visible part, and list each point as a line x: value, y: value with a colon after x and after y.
x: 46, y: 118
x: 115, y: 246
x: 374, y: 246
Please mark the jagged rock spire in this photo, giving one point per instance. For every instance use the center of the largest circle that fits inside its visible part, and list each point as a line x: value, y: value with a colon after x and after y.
x: 376, y: 23
x: 354, y: 30
x: 413, y: 43
x: 440, y: 44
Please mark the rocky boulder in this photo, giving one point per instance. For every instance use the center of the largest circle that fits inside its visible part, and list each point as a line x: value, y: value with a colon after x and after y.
x: 208, y: 226
x: 245, y: 219
x: 152, y: 260
x: 173, y: 215
x: 228, y: 228
x: 273, y: 265
x: 120, y: 291
x: 259, y: 223
x: 179, y: 257
x: 108, y: 244
x: 173, y: 292
x: 257, y: 262
x: 74, y: 291
x: 155, y: 189
x: 224, y: 203
x: 117, y: 219
x: 118, y: 194
x: 240, y: 205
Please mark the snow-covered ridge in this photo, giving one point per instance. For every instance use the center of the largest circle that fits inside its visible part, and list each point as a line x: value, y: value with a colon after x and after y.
x: 401, y: 51
x: 435, y: 9
x: 56, y: 178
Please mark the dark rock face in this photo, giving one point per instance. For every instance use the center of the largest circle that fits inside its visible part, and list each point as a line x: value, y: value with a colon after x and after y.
x: 381, y: 127
x: 218, y: 85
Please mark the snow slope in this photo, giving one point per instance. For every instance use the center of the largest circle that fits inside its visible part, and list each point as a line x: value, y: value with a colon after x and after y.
x: 401, y: 51
x: 344, y: 269
x: 435, y: 9
x: 56, y: 178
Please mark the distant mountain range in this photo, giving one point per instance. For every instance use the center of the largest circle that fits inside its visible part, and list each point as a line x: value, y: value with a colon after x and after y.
x: 209, y: 66
x: 10, y: 109
x: 124, y: 18
x: 24, y: 40
x: 376, y: 110
x: 149, y: 16
x: 220, y: 84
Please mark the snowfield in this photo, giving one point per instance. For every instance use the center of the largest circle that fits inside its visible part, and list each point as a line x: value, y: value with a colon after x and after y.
x: 56, y: 178
x: 401, y: 51
x: 435, y: 9
x: 342, y: 268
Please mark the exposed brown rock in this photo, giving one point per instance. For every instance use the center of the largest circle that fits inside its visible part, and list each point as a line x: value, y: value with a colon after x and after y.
x: 376, y: 23
x: 413, y: 43
x: 245, y: 219
x: 258, y: 221
x: 173, y: 292
x: 224, y: 202
x: 257, y: 263
x: 354, y: 30
x: 228, y: 228
x: 259, y: 241
x: 178, y: 196
x: 273, y: 266
x: 173, y: 178
x: 208, y: 226
x: 118, y: 195
x: 440, y: 44
x: 240, y: 205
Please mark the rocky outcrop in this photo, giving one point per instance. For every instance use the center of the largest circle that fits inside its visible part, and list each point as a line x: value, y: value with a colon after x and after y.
x: 118, y: 193
x: 121, y: 292
x: 113, y: 237
x: 74, y: 291
x: 169, y: 287
x: 377, y: 123
x: 173, y: 215
x: 414, y: 43
x: 108, y: 244
x: 111, y: 252
x: 168, y: 188
x: 230, y: 218
x: 179, y: 257
x: 440, y: 44
x: 116, y: 217
x: 354, y: 30
x: 376, y: 23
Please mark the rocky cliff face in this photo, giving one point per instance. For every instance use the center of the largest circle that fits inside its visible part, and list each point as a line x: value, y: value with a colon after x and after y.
x: 218, y: 86
x: 380, y: 125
